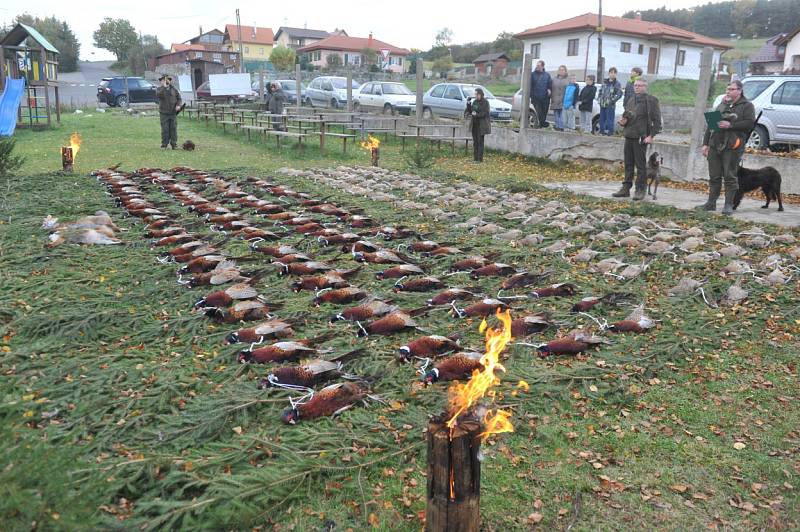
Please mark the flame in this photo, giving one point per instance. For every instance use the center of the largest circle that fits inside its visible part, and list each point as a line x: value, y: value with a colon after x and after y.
x: 464, y: 396
x: 371, y: 143
x: 75, y: 142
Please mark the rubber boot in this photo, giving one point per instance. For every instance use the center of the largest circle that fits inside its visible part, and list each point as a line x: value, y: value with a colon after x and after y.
x: 623, y: 192
x: 714, y: 189
x: 727, y: 210
x: 639, y: 194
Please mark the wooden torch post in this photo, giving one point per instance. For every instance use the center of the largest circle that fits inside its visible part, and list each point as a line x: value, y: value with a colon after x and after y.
x: 454, y: 477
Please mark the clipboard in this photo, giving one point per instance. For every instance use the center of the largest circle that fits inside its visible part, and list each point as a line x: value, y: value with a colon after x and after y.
x: 712, y: 118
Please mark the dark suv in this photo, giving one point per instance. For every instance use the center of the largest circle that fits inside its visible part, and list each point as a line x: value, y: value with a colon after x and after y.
x: 112, y: 91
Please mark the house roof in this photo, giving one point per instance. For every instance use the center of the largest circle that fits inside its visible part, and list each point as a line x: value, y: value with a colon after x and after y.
x: 490, y: 57
x: 250, y: 34
x: 352, y: 44
x: 181, y: 47
x: 21, y: 31
x: 786, y: 37
x: 301, y: 33
x: 769, y: 52
x: 629, y: 26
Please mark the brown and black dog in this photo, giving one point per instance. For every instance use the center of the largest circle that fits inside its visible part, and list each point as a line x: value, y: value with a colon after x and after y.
x: 767, y: 179
x: 653, y: 174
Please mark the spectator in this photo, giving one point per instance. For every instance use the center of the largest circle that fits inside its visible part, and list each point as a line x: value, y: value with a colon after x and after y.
x: 276, y: 102
x: 557, y: 97
x: 586, y: 99
x: 479, y: 122
x: 724, y: 148
x: 636, y: 73
x: 610, y: 93
x: 641, y: 122
x: 541, y: 84
x: 570, y: 103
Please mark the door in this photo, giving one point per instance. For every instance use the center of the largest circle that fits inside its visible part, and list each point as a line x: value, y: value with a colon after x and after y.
x: 434, y: 101
x: 135, y: 90
x: 652, y: 60
x: 365, y: 96
x: 453, y: 102
x: 198, y: 77
x: 784, y: 112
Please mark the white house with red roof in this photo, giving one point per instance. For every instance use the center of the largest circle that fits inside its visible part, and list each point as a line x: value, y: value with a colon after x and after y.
x: 789, y: 44
x: 351, y: 52
x: 660, y: 50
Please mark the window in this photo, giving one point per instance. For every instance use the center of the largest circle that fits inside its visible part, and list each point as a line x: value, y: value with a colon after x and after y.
x: 572, y: 47
x: 247, y: 49
x: 198, y: 55
x: 317, y: 55
x: 346, y: 59
x: 625, y: 47
x: 641, y: 49
x: 788, y: 94
x: 536, y: 49
x: 260, y: 50
x: 399, y: 61
x: 752, y: 89
x: 681, y: 57
x: 233, y: 57
x: 438, y: 91
x: 452, y: 93
x: 218, y: 58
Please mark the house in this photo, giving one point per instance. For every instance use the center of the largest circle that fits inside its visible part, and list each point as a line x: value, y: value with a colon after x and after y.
x: 661, y: 51
x: 769, y: 59
x: 791, y: 45
x: 197, y: 61
x: 350, y: 51
x: 256, y: 42
x: 295, y: 38
x: 214, y: 39
x: 491, y: 64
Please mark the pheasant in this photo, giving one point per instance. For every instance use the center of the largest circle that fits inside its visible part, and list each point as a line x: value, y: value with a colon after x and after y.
x: 372, y: 309
x: 555, y: 290
x: 389, y: 324
x: 400, y: 271
x: 446, y: 297
x: 454, y: 368
x: 469, y: 264
x: 381, y: 256
x: 267, y: 329
x: 223, y: 298
x: 522, y: 279
x: 428, y: 346
x: 319, y: 282
x: 612, y: 298
x: 249, y: 310
x: 486, y: 307
x: 528, y: 325
x: 572, y: 344
x: 303, y: 268
x: 329, y: 401
x: 492, y: 270
x: 421, y: 284
x: 309, y: 374
x: 636, y: 322
x: 339, y: 296
x: 277, y: 352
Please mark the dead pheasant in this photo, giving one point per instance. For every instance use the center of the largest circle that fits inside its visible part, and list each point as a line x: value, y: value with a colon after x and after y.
x: 572, y: 344
x: 250, y: 310
x: 555, y: 290
x: 320, y: 282
x: 389, y: 324
x: 262, y: 331
x: 522, y: 279
x: 469, y: 264
x: 382, y: 256
x: 492, y: 270
x: 527, y: 325
x: 329, y: 401
x: 451, y: 294
x: 400, y: 271
x: 223, y: 298
x: 486, y: 307
x: 612, y: 298
x: 339, y: 296
x: 283, y: 350
x: 303, y: 268
x: 373, y: 309
x: 428, y: 346
x: 454, y: 368
x: 421, y: 284
x: 636, y: 322
x: 309, y: 374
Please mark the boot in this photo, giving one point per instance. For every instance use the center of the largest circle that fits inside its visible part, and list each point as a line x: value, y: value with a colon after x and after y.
x: 623, y: 192
x: 714, y: 189
x: 727, y: 210
x: 639, y: 194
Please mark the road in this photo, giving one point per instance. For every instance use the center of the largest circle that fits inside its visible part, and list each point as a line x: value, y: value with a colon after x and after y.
x: 79, y: 89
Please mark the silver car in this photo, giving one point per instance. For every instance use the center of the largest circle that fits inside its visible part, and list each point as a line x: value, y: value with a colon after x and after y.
x: 328, y: 91
x: 450, y: 99
x: 388, y: 97
x: 777, y: 98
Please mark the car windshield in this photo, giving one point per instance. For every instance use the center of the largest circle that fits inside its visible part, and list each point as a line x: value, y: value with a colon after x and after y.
x: 469, y: 91
x: 105, y: 83
x: 342, y: 84
x: 751, y: 89
x: 289, y: 85
x: 395, y: 88
x: 203, y: 87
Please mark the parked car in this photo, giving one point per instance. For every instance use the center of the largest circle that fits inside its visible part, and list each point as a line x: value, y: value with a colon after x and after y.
x: 112, y: 91
x: 385, y: 96
x: 595, y: 109
x: 328, y: 91
x: 450, y: 99
x: 777, y: 98
x: 289, y: 87
x: 203, y: 92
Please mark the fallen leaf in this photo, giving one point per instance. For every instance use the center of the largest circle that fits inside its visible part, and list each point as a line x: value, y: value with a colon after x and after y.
x: 535, y: 518
x: 739, y: 445
x: 678, y: 488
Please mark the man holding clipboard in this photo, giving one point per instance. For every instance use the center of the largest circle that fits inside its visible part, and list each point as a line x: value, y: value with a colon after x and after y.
x: 729, y: 127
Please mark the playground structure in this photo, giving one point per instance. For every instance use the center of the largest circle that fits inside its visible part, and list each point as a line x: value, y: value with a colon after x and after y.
x: 28, y: 72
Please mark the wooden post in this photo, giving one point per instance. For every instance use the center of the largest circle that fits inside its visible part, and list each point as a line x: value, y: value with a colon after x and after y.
x: 349, y: 92
x: 525, y: 104
x: 298, y: 80
x: 695, y: 166
x: 420, y: 90
x: 454, y: 477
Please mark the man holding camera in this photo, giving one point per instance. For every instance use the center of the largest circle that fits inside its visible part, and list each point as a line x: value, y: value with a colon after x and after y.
x: 641, y: 121
x: 169, y: 103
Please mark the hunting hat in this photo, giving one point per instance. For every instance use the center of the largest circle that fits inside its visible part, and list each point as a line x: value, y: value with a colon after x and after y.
x: 165, y: 76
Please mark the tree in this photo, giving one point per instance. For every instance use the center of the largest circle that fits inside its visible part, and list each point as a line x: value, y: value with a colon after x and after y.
x: 117, y: 36
x: 333, y: 60
x: 145, y: 50
x: 443, y: 37
x: 283, y: 58
x: 370, y: 56
x: 443, y: 65
x: 509, y: 45
x: 59, y: 34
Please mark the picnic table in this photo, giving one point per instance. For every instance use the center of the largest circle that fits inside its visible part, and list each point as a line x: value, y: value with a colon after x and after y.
x: 438, y: 138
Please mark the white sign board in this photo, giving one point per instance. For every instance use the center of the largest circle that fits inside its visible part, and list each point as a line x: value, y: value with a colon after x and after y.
x: 229, y: 84
x: 385, y: 53
x: 185, y: 87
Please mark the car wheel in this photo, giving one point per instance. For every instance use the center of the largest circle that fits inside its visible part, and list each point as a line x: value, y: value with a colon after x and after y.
x: 759, y: 138
x: 122, y: 101
x: 427, y: 112
x: 309, y: 103
x: 388, y: 109
x: 334, y: 103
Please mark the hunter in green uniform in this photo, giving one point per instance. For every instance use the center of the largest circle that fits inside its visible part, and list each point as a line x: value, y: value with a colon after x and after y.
x: 169, y: 103
x: 724, y: 148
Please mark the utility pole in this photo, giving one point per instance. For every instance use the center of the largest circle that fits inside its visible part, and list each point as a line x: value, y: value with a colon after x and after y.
x: 241, y: 53
x: 600, y: 29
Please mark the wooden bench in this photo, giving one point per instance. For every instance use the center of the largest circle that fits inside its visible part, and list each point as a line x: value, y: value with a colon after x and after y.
x: 343, y: 136
x: 379, y: 130
x: 189, y: 110
x: 233, y: 123
x: 283, y: 134
x: 438, y: 138
x: 260, y: 129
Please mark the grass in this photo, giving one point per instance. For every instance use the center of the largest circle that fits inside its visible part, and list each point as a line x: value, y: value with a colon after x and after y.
x: 681, y: 91
x: 121, y: 409
x: 744, y: 48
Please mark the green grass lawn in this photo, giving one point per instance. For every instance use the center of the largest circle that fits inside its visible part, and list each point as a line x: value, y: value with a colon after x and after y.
x: 122, y: 409
x: 743, y: 48
x: 681, y: 91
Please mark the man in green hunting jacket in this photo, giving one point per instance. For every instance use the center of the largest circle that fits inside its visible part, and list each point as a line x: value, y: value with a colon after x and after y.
x: 169, y: 103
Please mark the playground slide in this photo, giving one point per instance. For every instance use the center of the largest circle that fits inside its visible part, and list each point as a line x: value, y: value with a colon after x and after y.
x: 9, y: 104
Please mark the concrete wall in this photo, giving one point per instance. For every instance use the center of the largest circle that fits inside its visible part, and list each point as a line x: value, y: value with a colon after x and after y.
x: 676, y: 117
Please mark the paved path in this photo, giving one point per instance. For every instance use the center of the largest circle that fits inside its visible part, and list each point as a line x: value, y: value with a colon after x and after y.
x: 79, y: 88
x: 750, y: 209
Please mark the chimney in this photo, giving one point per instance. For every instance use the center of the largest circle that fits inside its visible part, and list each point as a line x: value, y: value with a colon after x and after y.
x: 254, y: 30
x: 369, y: 42
x: 638, y: 15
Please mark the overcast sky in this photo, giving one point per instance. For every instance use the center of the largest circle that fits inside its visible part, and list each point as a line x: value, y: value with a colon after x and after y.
x: 408, y: 23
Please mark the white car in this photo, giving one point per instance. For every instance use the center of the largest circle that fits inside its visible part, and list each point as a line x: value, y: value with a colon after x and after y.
x: 450, y: 99
x: 388, y: 97
x: 595, y: 108
x: 777, y: 98
x: 328, y: 91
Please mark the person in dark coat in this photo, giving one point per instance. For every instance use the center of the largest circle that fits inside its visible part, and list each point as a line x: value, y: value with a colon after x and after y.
x: 610, y: 92
x: 586, y: 102
x: 636, y: 73
x: 479, y: 122
x: 169, y: 103
x: 641, y: 122
x: 559, y: 86
x: 541, y: 86
x: 277, y: 100
x: 724, y: 148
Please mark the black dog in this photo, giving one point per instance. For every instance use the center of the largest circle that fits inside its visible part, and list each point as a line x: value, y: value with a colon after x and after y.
x: 653, y: 174
x: 767, y: 179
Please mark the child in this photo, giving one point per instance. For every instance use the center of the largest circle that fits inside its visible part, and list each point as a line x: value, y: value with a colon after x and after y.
x: 570, y: 103
x: 610, y: 92
x: 586, y: 99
